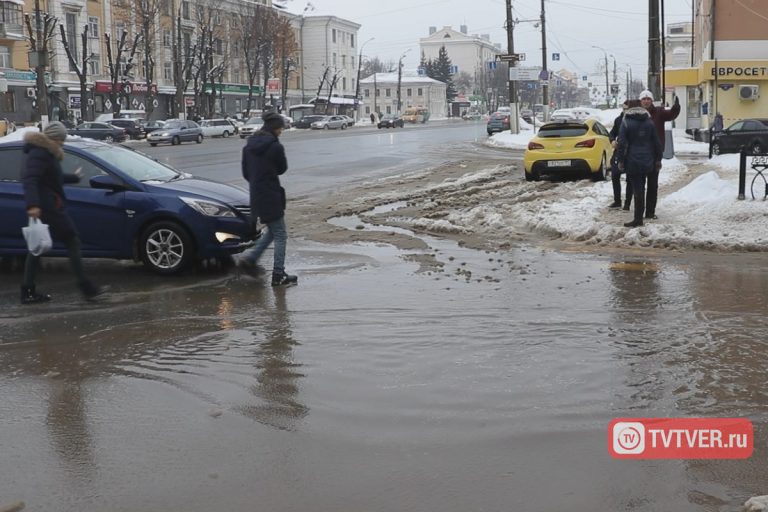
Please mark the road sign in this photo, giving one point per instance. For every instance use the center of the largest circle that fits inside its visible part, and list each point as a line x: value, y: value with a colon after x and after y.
x: 584, y: 77
x: 544, y: 75
x: 108, y: 105
x: 422, y: 70
x: 155, y: 103
x: 512, y: 57
x: 555, y: 56
x: 521, y: 74
x: 614, y: 88
x: 141, y: 106
x: 492, y: 64
x: 453, y: 69
x: 135, y: 103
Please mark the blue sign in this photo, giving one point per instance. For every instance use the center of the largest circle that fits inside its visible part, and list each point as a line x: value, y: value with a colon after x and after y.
x: 453, y: 69
x: 555, y: 56
x: 422, y: 70
x: 584, y: 77
x: 544, y: 75
x: 531, y: 85
x: 492, y: 64
x: 559, y: 82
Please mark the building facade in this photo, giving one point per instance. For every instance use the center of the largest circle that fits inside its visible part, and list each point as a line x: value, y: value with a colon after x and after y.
x: 472, y: 54
x: 379, y: 94
x: 729, y: 72
x: 17, y: 82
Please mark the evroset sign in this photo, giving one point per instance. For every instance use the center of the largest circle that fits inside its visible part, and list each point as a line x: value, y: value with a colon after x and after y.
x: 680, y: 438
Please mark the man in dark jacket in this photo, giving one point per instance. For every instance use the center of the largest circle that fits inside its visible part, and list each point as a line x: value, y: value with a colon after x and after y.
x: 659, y: 116
x: 639, y: 153
x: 615, y: 172
x: 43, y: 180
x: 263, y: 163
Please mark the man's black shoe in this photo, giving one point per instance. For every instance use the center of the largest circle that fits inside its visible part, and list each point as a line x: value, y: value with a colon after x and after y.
x: 615, y: 204
x: 633, y: 224
x: 30, y: 296
x: 626, y: 206
x: 284, y: 279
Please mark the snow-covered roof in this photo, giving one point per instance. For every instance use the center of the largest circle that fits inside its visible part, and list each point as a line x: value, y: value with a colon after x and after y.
x: 410, y: 77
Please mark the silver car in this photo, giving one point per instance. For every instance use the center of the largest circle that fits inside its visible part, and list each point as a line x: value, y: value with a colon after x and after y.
x: 331, y: 122
x: 176, y: 131
x: 251, y: 126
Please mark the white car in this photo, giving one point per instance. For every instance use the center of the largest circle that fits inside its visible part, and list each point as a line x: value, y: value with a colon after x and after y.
x: 217, y: 128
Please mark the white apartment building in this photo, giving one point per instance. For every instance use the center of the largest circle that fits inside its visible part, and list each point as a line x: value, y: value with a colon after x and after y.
x: 469, y: 53
x: 415, y: 91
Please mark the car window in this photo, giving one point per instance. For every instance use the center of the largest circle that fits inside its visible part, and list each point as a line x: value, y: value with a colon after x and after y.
x: 134, y: 164
x: 173, y: 125
x: 738, y: 125
x: 71, y: 162
x: 192, y: 124
x: 99, y: 125
x: 753, y: 125
x: 11, y: 168
x: 600, y: 129
x: 569, y: 130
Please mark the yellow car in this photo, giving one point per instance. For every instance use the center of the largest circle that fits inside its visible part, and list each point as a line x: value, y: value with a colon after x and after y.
x: 566, y: 147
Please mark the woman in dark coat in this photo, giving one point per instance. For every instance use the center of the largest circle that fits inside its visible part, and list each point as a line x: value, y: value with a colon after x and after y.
x: 639, y: 153
x: 263, y: 163
x: 43, y: 180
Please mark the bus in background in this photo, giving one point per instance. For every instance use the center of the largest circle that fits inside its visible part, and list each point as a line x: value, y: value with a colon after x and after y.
x: 416, y: 115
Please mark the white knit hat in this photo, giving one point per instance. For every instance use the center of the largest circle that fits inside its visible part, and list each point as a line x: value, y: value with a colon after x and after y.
x: 646, y: 94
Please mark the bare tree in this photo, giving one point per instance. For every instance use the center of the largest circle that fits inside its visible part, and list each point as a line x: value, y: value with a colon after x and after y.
x: 331, y: 84
x: 40, y: 43
x: 80, y: 68
x: 183, y: 62
x: 323, y: 79
x: 114, y: 64
x: 286, y: 48
x: 146, y: 13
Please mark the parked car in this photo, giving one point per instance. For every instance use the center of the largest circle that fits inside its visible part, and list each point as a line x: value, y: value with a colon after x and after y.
x: 217, y: 128
x: 330, y: 122
x: 175, y: 132
x: 287, y: 121
x: 251, y: 126
x: 98, y: 131
x: 350, y: 120
x: 472, y: 115
x: 416, y: 115
x: 567, y: 147
x: 751, y: 134
x: 174, y: 219
x: 151, y: 126
x: 306, y: 121
x: 498, y: 122
x: 132, y: 127
x: 391, y: 121
x: 527, y: 115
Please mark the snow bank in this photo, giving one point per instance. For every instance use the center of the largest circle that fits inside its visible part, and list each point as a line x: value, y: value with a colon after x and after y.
x: 18, y: 134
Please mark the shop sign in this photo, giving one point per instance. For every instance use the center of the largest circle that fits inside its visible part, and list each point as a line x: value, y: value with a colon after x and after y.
x: 233, y: 88
x: 190, y: 102
x: 273, y: 85
x: 130, y: 87
x: 23, y: 76
x: 74, y: 101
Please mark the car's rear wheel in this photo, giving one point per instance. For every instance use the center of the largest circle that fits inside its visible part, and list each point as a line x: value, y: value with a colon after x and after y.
x: 199, y: 139
x: 715, y: 148
x: 175, y: 140
x: 109, y: 138
x: 153, y: 144
x: 757, y: 148
x: 225, y: 134
x: 600, y: 174
x: 326, y: 127
x: 165, y: 247
x: 242, y: 136
x: 343, y: 127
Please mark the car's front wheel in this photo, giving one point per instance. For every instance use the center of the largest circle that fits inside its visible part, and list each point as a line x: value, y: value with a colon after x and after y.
x: 715, y: 148
x: 757, y: 148
x: 343, y: 127
x: 199, y: 139
x: 153, y: 144
x: 225, y: 134
x: 326, y: 127
x: 109, y: 139
x: 165, y: 247
x: 175, y: 140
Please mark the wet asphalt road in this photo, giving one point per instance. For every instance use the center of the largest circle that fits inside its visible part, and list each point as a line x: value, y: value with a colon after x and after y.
x: 374, y: 386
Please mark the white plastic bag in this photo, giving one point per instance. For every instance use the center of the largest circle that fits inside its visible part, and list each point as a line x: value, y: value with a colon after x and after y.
x: 37, y: 236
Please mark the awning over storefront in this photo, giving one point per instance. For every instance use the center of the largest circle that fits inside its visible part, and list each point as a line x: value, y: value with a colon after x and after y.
x: 681, y: 77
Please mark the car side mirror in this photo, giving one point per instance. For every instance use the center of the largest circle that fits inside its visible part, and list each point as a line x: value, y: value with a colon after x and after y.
x: 106, y: 182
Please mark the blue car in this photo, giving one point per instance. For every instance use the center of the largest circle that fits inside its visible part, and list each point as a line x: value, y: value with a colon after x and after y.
x: 129, y: 206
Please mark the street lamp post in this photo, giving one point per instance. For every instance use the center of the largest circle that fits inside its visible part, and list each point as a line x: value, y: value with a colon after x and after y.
x: 359, y: 69
x: 607, y: 91
x: 400, y: 79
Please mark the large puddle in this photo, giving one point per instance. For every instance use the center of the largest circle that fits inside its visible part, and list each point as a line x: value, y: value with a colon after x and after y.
x: 374, y: 385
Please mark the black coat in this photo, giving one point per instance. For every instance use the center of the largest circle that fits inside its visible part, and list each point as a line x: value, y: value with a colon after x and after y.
x: 639, y: 147
x: 43, y: 180
x: 263, y: 162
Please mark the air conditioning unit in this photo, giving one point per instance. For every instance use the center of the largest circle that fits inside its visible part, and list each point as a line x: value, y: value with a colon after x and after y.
x: 749, y: 92
x: 31, y: 92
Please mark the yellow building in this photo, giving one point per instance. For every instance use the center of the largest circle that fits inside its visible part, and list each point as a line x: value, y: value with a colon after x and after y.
x: 729, y: 72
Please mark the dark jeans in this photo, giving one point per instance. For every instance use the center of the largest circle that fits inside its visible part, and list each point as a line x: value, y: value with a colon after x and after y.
x: 75, y: 261
x: 653, y: 190
x: 638, y: 190
x: 616, y: 181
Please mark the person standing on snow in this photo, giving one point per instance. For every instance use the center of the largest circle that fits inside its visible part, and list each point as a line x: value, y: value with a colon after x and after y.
x: 263, y: 163
x: 639, y: 153
x: 615, y: 172
x: 43, y: 178
x: 659, y: 116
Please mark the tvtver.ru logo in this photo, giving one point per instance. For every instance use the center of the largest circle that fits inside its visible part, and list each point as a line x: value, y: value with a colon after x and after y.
x: 628, y: 437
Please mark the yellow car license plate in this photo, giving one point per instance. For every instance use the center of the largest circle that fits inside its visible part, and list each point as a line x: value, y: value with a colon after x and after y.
x: 559, y: 163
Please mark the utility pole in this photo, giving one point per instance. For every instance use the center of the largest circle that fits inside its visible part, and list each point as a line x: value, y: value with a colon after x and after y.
x: 375, y: 94
x: 400, y: 79
x: 514, y: 118
x: 654, y: 49
x: 41, y: 60
x: 545, y: 84
x: 359, y: 68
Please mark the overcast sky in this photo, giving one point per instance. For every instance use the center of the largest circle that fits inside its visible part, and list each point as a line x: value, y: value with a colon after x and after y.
x: 573, y: 27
